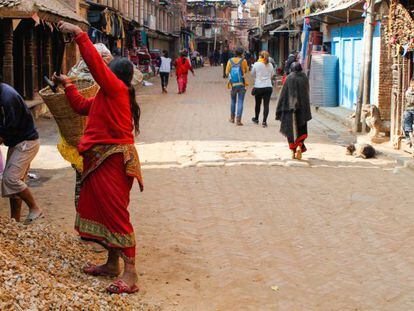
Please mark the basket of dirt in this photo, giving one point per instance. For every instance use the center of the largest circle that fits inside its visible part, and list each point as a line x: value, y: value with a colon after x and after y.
x: 71, y: 125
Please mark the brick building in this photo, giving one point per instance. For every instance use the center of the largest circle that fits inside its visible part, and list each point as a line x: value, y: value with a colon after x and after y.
x: 154, y: 24
x: 211, y: 23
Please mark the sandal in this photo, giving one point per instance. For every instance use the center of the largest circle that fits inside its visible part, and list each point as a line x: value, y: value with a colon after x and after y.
x: 31, y: 218
x: 95, y: 270
x: 120, y: 287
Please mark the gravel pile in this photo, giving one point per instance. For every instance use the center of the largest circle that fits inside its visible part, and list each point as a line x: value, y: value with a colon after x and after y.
x: 40, y: 269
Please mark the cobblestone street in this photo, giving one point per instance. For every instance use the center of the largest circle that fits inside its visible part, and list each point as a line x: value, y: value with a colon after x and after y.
x: 226, y: 215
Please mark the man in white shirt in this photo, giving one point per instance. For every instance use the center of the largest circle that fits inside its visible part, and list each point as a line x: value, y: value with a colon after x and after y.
x: 165, y: 70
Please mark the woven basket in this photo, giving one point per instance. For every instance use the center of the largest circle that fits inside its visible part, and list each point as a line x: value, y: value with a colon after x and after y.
x: 71, y: 125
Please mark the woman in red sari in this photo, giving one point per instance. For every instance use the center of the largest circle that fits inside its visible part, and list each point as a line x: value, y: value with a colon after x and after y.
x: 182, y: 67
x: 111, y: 161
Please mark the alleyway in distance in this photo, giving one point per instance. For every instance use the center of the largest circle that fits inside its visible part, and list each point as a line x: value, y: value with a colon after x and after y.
x: 226, y: 215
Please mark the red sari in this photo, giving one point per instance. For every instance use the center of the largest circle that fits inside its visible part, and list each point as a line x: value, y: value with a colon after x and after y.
x: 111, y: 161
x: 182, y: 67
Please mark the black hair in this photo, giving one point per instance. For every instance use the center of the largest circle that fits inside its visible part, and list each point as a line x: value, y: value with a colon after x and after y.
x: 296, y: 67
x: 124, y: 70
x: 165, y: 53
x: 183, y: 54
x: 239, y: 51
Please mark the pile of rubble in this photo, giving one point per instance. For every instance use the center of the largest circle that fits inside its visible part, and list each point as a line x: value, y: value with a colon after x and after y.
x: 40, y: 269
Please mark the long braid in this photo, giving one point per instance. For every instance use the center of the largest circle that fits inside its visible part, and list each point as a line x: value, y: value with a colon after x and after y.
x: 124, y: 70
x: 135, y: 109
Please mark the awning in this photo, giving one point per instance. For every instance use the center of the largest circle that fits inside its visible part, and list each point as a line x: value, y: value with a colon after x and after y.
x: 272, y: 25
x: 336, y: 8
x: 345, y: 12
x: 49, y: 10
x: 254, y: 30
x: 279, y: 29
x: 277, y: 8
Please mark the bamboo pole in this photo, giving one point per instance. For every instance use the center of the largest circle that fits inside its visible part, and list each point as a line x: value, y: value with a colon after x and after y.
x: 364, y: 87
x: 370, y: 24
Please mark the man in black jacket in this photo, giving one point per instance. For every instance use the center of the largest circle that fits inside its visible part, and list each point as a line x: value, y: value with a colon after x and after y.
x: 18, y: 133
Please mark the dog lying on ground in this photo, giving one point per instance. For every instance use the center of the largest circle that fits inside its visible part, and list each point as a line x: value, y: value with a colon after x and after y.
x: 364, y: 151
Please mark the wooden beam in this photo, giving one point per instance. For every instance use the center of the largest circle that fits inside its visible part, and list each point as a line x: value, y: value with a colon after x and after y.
x: 8, y: 74
x: 28, y: 63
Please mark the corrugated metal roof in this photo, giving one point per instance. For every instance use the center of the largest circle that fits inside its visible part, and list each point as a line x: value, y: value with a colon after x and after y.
x: 337, y: 7
x: 26, y: 8
x: 9, y: 3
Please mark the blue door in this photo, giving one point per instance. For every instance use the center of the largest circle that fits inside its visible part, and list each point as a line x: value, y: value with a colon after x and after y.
x: 347, y: 75
x: 347, y: 44
x: 357, y: 66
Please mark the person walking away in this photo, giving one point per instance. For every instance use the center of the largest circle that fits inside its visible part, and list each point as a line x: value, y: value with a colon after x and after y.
x: 211, y: 59
x: 262, y: 72
x: 247, y: 56
x: 288, y: 64
x: 182, y: 67
x: 409, y: 115
x: 293, y: 110
x: 19, y: 134
x: 216, y: 57
x: 165, y: 70
x: 193, y: 58
x: 236, y: 70
x: 225, y: 56
x: 110, y: 161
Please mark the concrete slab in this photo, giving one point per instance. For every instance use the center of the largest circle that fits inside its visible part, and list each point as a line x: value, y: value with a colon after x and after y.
x: 339, y: 114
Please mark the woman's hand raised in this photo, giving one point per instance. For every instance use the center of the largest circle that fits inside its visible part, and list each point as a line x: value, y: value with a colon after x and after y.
x: 69, y: 28
x: 61, y: 79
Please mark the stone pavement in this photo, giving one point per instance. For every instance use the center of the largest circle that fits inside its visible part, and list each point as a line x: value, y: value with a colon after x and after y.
x: 226, y: 215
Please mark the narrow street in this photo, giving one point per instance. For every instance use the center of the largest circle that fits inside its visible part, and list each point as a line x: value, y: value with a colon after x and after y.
x: 226, y: 215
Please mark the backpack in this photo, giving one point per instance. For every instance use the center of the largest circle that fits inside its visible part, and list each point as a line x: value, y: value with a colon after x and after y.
x: 236, y: 78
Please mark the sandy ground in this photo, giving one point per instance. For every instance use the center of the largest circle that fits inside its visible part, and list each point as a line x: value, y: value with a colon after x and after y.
x: 226, y: 215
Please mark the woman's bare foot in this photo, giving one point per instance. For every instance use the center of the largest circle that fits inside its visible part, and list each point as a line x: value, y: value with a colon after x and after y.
x: 111, y: 268
x: 103, y: 270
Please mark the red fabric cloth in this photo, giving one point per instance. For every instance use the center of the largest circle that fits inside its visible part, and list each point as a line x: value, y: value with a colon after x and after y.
x: 109, y: 113
x: 181, y: 68
x: 182, y: 83
x: 102, y: 212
